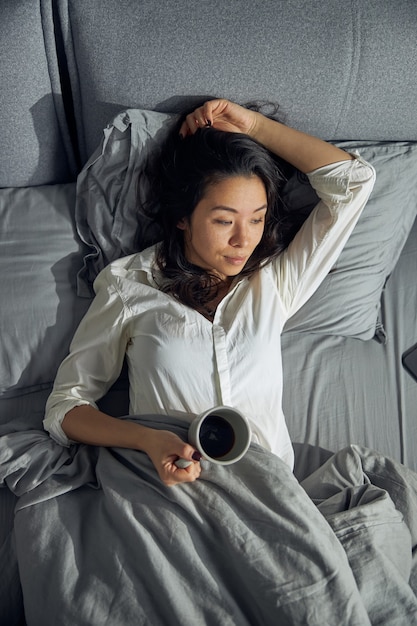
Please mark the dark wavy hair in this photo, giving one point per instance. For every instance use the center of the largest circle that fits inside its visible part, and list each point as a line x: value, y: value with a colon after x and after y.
x: 186, y: 167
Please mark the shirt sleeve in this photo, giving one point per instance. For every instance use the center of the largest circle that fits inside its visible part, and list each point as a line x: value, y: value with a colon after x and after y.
x: 343, y: 189
x: 95, y: 358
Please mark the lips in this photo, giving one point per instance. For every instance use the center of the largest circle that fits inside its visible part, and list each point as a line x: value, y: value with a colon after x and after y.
x: 235, y: 260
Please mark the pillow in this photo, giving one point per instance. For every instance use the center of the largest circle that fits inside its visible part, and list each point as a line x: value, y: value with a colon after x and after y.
x: 112, y: 187
x: 111, y: 191
x: 40, y: 254
x: 347, y: 303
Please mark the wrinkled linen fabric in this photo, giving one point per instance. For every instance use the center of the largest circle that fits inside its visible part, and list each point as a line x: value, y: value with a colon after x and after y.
x: 356, y: 490
x: 100, y: 540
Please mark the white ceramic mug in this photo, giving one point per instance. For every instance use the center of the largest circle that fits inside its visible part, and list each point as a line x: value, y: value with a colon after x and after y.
x: 222, y: 435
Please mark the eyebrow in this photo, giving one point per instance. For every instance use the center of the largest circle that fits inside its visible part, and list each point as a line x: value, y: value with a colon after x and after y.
x: 227, y: 208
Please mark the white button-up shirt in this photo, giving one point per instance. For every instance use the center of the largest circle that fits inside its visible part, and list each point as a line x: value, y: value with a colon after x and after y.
x: 179, y: 362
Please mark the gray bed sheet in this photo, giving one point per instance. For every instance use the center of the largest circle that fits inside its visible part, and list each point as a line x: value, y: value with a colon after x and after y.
x: 340, y: 391
x: 100, y: 540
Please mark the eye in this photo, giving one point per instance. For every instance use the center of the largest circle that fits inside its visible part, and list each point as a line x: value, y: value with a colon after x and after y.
x: 258, y: 220
x: 222, y: 222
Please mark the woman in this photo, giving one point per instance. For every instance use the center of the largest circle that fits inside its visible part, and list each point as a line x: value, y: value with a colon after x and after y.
x: 199, y: 316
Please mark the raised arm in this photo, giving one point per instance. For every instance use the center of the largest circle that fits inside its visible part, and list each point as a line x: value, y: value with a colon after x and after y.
x: 303, y: 151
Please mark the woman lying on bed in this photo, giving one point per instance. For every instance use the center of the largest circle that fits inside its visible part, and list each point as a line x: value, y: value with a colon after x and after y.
x: 199, y: 316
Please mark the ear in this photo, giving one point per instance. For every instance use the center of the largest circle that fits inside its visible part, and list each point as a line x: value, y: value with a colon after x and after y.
x: 182, y: 224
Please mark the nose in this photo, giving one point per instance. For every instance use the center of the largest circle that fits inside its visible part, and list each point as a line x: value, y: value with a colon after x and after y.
x: 239, y: 238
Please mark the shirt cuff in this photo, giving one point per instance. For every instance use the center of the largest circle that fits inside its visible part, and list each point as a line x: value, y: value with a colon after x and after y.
x: 53, y: 421
x: 337, y: 179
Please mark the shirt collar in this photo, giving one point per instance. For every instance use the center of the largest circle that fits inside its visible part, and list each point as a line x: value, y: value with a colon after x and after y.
x: 145, y: 262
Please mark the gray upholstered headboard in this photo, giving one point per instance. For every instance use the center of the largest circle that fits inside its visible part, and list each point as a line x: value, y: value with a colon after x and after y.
x: 341, y: 69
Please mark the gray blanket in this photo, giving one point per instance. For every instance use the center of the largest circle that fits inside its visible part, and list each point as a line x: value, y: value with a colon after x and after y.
x: 101, y: 541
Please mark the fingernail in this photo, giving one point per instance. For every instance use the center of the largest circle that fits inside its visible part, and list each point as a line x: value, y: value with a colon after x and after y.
x: 208, y: 123
x: 196, y: 456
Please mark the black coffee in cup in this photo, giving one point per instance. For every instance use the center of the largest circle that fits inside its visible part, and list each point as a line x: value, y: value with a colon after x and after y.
x: 217, y: 436
x: 221, y: 435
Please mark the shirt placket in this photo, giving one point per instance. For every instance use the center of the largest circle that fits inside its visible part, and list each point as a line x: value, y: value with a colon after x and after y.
x: 222, y: 361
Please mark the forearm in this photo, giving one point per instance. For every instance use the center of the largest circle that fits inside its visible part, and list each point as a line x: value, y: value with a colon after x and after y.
x: 303, y: 151
x: 85, y: 424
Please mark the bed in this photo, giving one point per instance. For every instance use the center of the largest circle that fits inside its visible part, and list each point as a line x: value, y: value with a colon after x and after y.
x: 88, y: 90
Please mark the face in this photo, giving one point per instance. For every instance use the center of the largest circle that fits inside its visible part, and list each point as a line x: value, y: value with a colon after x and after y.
x: 226, y: 225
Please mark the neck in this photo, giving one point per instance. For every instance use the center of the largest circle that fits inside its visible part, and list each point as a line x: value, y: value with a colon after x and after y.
x: 219, y: 292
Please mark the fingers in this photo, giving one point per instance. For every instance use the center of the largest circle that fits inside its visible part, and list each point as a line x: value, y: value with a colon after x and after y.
x: 189, y: 459
x: 172, y: 475
x: 195, y: 120
x: 183, y: 463
x: 205, y: 115
x: 177, y: 475
x: 167, y: 450
x: 222, y: 115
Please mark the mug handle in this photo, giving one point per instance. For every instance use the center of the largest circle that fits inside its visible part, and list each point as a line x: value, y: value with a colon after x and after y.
x: 182, y: 463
